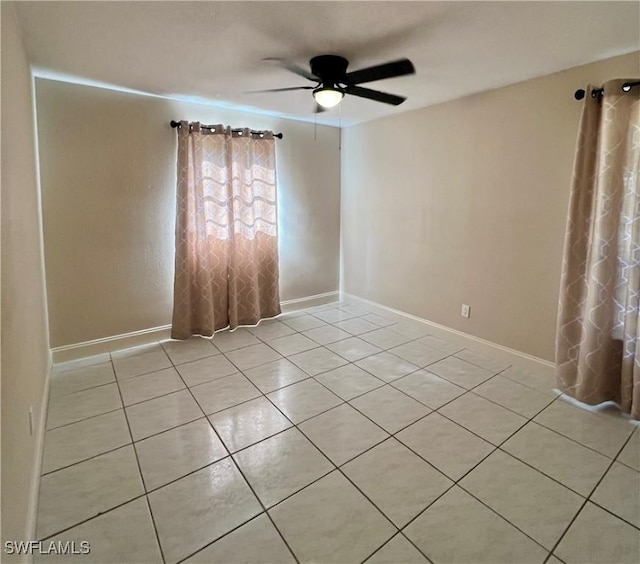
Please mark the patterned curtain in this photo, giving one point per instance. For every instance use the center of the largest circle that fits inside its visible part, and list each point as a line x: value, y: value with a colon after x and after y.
x: 597, y: 352
x: 226, y: 230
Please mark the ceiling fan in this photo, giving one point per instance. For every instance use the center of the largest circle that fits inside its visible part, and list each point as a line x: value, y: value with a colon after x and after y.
x: 329, y: 72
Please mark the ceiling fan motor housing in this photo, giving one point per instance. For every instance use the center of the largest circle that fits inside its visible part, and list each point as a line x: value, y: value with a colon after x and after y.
x: 331, y: 69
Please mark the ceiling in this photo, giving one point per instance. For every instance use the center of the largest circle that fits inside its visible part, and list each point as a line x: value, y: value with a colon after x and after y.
x: 213, y: 51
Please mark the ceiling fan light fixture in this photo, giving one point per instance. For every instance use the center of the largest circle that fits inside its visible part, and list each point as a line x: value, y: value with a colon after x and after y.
x: 328, y: 97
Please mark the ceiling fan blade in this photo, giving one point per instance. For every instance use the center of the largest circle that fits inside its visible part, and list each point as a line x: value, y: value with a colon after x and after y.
x: 281, y: 89
x: 375, y: 95
x: 292, y: 67
x: 379, y: 72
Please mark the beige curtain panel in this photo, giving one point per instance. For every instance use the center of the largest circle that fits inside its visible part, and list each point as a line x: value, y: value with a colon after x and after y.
x: 226, y: 269
x: 597, y: 353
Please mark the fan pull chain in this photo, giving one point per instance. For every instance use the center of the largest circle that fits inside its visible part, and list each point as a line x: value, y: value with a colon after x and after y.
x: 340, y: 127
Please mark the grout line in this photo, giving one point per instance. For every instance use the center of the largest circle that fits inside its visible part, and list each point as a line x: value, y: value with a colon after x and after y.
x: 86, y: 459
x: 83, y: 521
x: 457, y: 483
x: 144, y: 487
x: 343, y: 402
x: 612, y: 513
x: 222, y: 536
x: 84, y: 418
x: 588, y: 499
x: 237, y: 466
x: 66, y: 394
x: 572, y: 439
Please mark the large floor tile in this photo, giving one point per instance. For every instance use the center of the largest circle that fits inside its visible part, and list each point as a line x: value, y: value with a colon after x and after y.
x: 87, y: 489
x: 378, y: 320
x: 630, y: 454
x: 390, y: 408
x: 248, y: 423
x: 400, y: 483
x: 282, y: 465
x: 175, y: 453
x: 161, y: 414
x: 88, y: 438
x: 534, y: 503
x: 293, y: 344
x: 492, y: 422
x: 77, y: 406
x: 188, y: 350
x: 544, y: 383
x: 600, y: 538
x: 304, y: 400
x: 149, y: 386
x: 387, y: 367
x: 599, y: 432
x: 449, y: 447
x: 458, y: 528
x: 275, y: 375
x: 516, y: 397
x: 255, y: 355
x: 327, y: 334
x: 349, y: 381
x: 331, y: 521
x: 619, y: 492
x: 334, y: 315
x: 342, y: 433
x: 81, y: 379
x: 226, y: 341
x: 460, y: 372
x: 224, y: 393
x: 411, y: 330
x: 418, y: 354
x: 206, y: 369
x: 398, y: 550
x: 317, y: 361
x: 303, y: 322
x: 384, y: 338
x: 353, y: 349
x: 125, y: 534
x: 356, y: 326
x: 571, y: 464
x: 256, y: 542
x: 355, y: 308
x: 428, y: 388
x: 201, y: 507
x: 439, y: 344
x: 490, y: 363
x: 134, y: 362
x: 270, y: 329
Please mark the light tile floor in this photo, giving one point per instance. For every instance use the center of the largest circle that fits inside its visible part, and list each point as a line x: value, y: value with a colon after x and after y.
x: 331, y: 435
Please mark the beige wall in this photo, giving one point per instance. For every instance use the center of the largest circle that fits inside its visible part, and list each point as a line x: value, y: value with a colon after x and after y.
x: 108, y: 184
x: 465, y: 202
x: 25, y: 341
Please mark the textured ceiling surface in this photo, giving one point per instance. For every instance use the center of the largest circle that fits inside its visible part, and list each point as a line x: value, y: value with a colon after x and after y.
x: 214, y: 51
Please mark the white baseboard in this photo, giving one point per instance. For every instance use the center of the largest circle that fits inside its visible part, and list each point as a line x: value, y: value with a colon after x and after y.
x: 514, y: 357
x: 98, y: 347
x: 309, y: 301
x: 36, y: 470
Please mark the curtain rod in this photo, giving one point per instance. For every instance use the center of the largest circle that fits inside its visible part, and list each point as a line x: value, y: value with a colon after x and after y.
x: 175, y: 124
x: 597, y: 92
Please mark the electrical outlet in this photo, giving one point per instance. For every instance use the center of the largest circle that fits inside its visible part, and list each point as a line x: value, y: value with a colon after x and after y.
x: 465, y: 311
x: 31, y: 420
